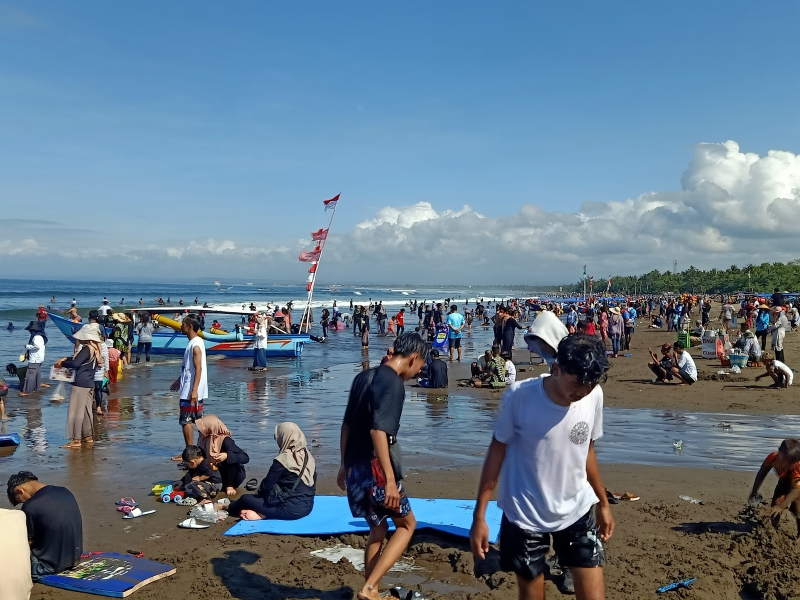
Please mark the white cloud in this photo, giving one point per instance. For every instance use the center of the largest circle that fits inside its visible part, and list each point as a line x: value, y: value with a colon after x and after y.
x: 733, y: 207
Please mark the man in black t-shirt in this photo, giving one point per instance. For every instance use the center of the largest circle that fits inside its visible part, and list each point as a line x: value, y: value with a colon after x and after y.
x: 371, y: 469
x: 55, y: 527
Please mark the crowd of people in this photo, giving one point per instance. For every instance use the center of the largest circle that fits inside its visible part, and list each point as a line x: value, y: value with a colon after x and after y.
x: 551, y: 492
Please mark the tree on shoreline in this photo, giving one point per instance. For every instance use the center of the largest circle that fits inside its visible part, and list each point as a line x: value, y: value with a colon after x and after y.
x: 759, y: 279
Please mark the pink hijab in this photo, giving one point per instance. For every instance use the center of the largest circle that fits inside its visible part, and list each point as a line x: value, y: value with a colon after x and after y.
x: 212, y: 433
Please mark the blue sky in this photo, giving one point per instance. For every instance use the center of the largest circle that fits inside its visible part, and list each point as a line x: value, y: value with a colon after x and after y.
x: 201, y: 120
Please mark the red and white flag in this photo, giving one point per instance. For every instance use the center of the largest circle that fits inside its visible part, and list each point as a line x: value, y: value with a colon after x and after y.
x: 313, y: 268
x: 331, y: 204
x: 319, y: 235
x: 312, y: 256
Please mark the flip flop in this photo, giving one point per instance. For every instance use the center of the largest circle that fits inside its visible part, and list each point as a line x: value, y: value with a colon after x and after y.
x: 630, y: 497
x: 192, y: 523
x: 136, y: 553
x: 127, y: 501
x: 137, y: 512
x: 251, y: 485
x: 612, y: 499
x: 186, y: 502
x: 674, y: 586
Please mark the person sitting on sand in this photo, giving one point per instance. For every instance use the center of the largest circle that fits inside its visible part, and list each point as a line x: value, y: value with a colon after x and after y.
x: 786, y: 462
x: 436, y: 376
x: 202, y: 480
x: 287, y: 492
x: 222, y: 452
x: 782, y: 375
x: 683, y: 369
x: 55, y: 525
x: 495, y: 375
x: 662, y: 367
x: 748, y: 344
x: 478, y: 368
x: 511, y: 369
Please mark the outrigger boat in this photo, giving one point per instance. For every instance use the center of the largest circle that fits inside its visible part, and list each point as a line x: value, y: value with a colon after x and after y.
x: 172, y: 341
x: 228, y: 344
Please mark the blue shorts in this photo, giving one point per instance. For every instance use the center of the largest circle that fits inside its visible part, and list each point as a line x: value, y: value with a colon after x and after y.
x: 366, y: 493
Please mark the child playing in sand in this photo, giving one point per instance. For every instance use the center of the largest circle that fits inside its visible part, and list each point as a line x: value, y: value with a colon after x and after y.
x: 202, y: 480
x: 786, y: 462
x: 782, y: 375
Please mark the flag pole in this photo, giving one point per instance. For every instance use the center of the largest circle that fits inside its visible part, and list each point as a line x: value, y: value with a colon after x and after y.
x: 307, y: 312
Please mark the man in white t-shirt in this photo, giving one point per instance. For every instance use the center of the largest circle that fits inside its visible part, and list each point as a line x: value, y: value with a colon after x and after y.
x: 193, y: 382
x: 543, y: 453
x: 103, y: 311
x: 686, y: 371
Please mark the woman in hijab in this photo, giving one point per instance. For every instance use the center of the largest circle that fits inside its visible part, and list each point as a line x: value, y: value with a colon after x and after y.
x: 222, y: 451
x: 34, y: 352
x: 510, y: 326
x: 84, y: 361
x: 287, y: 492
x: 260, y: 336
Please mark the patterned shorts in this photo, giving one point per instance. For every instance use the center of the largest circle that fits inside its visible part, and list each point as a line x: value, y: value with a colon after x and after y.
x: 366, y: 493
x: 190, y: 413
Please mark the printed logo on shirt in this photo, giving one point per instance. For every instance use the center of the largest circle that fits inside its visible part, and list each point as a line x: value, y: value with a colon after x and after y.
x: 579, y: 433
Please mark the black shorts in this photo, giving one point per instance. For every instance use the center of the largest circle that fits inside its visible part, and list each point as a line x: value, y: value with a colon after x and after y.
x: 455, y: 343
x: 524, y: 552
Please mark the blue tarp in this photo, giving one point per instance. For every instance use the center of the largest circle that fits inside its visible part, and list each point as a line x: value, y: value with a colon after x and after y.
x: 331, y: 516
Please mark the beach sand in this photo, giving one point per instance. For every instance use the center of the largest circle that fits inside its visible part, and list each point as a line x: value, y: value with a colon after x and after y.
x: 733, y: 551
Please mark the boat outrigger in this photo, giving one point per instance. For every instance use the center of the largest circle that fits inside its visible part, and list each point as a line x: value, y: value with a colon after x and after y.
x: 173, y: 341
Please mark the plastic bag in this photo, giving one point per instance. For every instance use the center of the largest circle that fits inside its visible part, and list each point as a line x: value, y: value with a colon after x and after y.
x: 207, y: 513
x: 60, y: 393
x: 736, y: 369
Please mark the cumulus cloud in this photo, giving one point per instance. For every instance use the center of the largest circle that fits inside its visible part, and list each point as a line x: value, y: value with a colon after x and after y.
x: 732, y: 207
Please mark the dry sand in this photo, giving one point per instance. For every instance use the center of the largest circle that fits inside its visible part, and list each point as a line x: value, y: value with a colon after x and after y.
x: 733, y: 551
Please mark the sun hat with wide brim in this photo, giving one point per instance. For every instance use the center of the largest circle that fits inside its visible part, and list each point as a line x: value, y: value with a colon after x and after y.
x: 120, y: 317
x: 93, y: 327
x: 85, y: 334
x: 614, y: 309
x: 35, y: 326
x: 762, y: 305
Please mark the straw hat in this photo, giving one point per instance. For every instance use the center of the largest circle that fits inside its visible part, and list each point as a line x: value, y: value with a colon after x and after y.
x: 92, y: 327
x: 614, y: 309
x: 120, y: 317
x: 85, y: 334
x: 762, y: 305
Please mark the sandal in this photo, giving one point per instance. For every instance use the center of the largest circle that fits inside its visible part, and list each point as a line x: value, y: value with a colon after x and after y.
x: 251, y: 485
x: 127, y: 501
x: 629, y: 497
x: 612, y: 499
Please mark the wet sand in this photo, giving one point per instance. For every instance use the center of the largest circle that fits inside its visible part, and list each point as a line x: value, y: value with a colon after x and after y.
x: 732, y: 551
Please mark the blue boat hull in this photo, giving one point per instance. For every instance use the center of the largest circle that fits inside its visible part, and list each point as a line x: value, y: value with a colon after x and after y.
x: 174, y: 342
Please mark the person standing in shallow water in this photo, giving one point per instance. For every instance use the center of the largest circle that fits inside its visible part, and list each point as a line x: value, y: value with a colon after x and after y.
x: 193, y: 382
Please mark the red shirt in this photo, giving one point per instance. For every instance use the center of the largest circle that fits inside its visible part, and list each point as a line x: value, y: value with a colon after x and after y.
x: 41, y: 315
x: 590, y: 328
x: 792, y: 474
x: 400, y: 319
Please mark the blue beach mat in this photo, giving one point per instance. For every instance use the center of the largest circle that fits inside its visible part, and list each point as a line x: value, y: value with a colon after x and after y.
x: 331, y: 516
x: 109, y: 574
